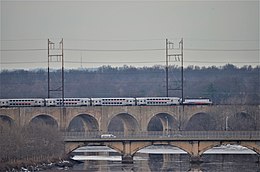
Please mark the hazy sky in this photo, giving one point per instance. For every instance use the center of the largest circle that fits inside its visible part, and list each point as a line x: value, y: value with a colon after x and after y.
x: 115, y: 33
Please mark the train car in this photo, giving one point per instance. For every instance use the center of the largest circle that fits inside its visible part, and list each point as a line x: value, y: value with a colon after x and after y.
x: 113, y: 101
x: 152, y: 101
x: 21, y: 102
x: 68, y: 102
x: 197, y: 101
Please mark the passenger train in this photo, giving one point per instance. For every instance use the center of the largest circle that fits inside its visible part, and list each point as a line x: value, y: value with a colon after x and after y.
x: 139, y: 101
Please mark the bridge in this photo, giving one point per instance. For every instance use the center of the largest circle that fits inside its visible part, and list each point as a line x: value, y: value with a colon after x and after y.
x: 137, y: 123
x: 195, y: 143
x: 138, y: 118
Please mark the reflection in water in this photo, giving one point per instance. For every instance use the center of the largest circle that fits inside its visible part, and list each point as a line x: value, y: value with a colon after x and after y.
x: 168, y: 162
x: 231, y: 162
x: 172, y: 162
x: 150, y: 162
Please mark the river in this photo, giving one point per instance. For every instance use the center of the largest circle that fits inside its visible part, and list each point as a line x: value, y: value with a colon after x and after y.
x: 165, y: 158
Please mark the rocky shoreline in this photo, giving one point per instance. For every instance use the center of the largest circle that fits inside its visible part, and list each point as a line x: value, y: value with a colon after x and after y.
x: 65, y: 164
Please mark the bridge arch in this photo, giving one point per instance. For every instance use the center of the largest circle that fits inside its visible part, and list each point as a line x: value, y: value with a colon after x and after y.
x: 164, y: 143
x: 249, y: 145
x: 123, y: 122
x: 241, y: 121
x: 162, y: 122
x: 201, y: 122
x: 6, y: 120
x: 44, y: 119
x: 83, y: 122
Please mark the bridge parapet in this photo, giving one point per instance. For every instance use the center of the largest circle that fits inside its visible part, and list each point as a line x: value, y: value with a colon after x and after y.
x: 159, y: 135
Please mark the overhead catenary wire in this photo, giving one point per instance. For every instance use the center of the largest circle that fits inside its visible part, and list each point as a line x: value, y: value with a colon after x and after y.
x: 131, y: 40
x: 129, y: 50
x: 30, y: 49
x: 124, y: 62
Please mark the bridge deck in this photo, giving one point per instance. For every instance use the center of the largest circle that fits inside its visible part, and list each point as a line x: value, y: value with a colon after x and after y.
x: 164, y: 136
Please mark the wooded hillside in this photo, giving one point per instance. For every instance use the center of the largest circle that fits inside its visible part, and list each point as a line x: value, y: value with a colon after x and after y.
x: 227, y: 84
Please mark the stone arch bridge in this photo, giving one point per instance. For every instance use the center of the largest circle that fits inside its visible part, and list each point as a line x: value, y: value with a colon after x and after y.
x: 131, y: 121
x: 138, y: 118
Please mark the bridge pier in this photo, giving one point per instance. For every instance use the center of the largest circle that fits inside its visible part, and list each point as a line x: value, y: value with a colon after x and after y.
x: 195, y: 159
x: 126, y: 148
x: 127, y: 159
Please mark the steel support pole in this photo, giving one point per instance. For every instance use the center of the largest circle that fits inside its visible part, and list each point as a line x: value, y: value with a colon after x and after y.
x: 166, y: 70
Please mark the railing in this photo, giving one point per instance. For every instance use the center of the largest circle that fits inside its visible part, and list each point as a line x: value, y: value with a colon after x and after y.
x: 160, y: 135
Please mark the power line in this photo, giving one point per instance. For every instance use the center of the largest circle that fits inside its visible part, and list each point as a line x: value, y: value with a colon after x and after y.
x: 28, y: 39
x: 97, y: 50
x: 125, y: 62
x: 222, y: 40
x: 133, y: 40
x: 116, y: 40
x: 31, y: 49
x: 115, y: 62
x: 129, y: 50
x: 191, y: 61
x: 116, y: 50
x: 193, y: 49
x: 24, y: 62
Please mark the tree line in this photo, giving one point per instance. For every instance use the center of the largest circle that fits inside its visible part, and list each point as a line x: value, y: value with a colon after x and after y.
x: 224, y: 85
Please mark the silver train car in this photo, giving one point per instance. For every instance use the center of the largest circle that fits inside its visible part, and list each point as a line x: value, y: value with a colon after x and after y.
x: 67, y: 102
x: 159, y: 101
x: 21, y: 102
x: 113, y: 101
